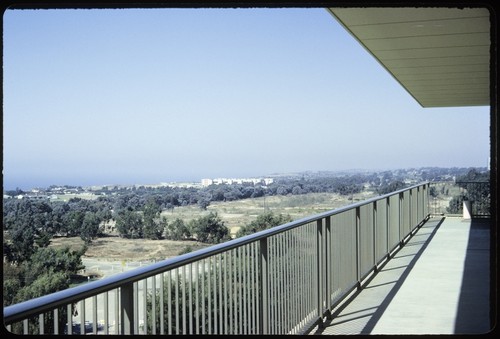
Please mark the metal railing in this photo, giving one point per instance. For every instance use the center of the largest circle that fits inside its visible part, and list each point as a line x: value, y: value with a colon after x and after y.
x: 478, y: 194
x: 283, y: 280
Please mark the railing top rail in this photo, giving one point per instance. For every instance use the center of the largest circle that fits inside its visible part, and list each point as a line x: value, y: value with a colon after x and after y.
x: 34, y: 306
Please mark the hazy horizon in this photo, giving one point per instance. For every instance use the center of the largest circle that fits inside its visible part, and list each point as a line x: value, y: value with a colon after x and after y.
x: 138, y: 96
x: 90, y: 182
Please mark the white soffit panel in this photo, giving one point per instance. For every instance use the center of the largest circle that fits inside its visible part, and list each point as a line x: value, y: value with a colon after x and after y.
x: 440, y: 56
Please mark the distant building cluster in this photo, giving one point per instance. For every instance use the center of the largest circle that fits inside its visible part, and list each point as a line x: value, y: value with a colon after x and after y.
x: 230, y: 181
x: 51, y: 193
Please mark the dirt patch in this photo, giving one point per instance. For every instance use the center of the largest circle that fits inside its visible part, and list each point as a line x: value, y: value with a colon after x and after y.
x: 112, y: 248
x: 235, y: 214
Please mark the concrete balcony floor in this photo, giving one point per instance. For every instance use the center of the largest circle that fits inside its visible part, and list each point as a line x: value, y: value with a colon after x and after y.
x: 438, y: 283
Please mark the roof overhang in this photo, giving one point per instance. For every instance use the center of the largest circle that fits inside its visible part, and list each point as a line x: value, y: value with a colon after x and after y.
x: 441, y: 56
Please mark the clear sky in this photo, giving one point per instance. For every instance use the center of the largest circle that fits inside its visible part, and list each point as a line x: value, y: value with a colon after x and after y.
x: 143, y: 96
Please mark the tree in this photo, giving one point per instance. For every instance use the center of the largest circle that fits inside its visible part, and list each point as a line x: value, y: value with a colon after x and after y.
x: 47, y: 270
x: 391, y: 187
x: 153, y: 228
x: 263, y: 222
x: 74, y: 222
x: 22, y: 242
x: 209, y: 229
x: 177, y: 230
x: 129, y: 224
x: 90, y: 227
x: 203, y: 203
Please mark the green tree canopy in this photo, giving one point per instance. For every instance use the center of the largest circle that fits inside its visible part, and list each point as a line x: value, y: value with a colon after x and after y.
x: 177, y: 230
x: 129, y: 224
x: 263, y: 221
x: 153, y: 227
x: 209, y: 229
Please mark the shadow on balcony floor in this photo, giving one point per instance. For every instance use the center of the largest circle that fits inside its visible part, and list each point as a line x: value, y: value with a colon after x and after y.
x: 438, y: 283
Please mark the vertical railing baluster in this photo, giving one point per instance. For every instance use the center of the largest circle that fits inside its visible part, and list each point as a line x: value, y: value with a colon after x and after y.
x: 388, y: 224
x: 328, y: 260
x: 169, y: 302
x: 106, y: 313
x: 127, y: 308
x: 279, y: 283
x: 153, y: 304
x: 209, y: 294
x: 288, y: 283
x: 82, y: 316
x: 197, y: 297
x: 136, y: 307
x: 215, y: 260
x: 225, y: 290
x: 410, y: 212
x: 358, y: 249
x: 56, y: 321
x: 375, y: 234
x: 282, y: 283
x: 162, y: 303
x: 245, y: 289
x: 255, y: 292
x: 400, y: 218
x: 184, y: 314
x: 221, y: 307
x: 319, y: 305
x: 41, y: 323
x: 177, y: 301
x: 144, y: 305
x: 189, y: 316
x: 69, y: 319
x: 94, y: 314
x: 272, y: 284
x: 206, y: 277
x: 263, y: 287
x: 117, y: 312
x: 240, y: 311
x: 307, y: 272
x: 229, y: 286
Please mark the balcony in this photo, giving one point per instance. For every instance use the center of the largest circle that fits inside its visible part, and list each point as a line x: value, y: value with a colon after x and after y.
x: 380, y: 266
x: 438, y: 283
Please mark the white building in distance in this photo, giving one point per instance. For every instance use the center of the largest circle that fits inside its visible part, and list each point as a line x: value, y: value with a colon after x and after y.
x: 230, y: 181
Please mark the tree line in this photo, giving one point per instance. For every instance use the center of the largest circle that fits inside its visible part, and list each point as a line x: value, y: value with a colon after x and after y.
x: 31, y: 268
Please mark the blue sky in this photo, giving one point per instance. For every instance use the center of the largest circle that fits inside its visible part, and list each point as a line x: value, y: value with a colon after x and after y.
x: 143, y: 96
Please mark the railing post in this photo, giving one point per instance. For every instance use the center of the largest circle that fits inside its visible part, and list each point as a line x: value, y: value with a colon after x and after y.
x: 328, y: 271
x: 400, y: 218
x: 388, y: 224
x: 319, y: 236
x: 263, y: 284
x: 418, y: 205
x: 358, y: 249
x: 127, y: 308
x: 375, y: 235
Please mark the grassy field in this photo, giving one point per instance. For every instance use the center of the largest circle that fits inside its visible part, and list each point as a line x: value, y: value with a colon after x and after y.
x: 234, y: 214
x: 238, y: 213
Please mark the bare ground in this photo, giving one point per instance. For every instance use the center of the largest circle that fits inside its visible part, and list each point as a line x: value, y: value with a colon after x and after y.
x: 235, y: 214
x: 111, y: 248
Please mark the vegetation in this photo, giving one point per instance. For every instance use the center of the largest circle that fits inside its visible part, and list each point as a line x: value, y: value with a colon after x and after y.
x: 264, y: 221
x: 209, y: 229
x: 32, y: 268
x: 475, y: 188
